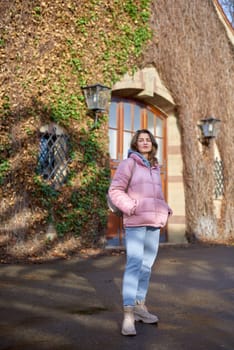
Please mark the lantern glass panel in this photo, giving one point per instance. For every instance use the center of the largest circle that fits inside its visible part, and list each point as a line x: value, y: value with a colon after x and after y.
x: 91, y: 97
x: 103, y: 98
x: 97, y: 97
x: 209, y: 127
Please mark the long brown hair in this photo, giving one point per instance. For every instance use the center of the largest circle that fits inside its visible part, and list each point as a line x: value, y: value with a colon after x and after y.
x: 152, y: 154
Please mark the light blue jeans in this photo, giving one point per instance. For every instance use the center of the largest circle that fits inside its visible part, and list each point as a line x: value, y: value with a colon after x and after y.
x: 141, y: 249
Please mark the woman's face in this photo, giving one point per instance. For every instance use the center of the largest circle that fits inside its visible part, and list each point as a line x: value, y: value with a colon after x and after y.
x: 144, y: 144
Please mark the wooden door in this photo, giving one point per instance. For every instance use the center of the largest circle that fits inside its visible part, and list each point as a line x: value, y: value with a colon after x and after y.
x: 127, y: 116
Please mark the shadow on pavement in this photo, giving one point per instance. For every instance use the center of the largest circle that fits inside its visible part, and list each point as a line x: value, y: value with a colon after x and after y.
x: 76, y: 304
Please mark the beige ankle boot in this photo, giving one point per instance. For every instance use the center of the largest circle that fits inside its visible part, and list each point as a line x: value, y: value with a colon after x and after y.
x: 142, y: 314
x: 128, y: 326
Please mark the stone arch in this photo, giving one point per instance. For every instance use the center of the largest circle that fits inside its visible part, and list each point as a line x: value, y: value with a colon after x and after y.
x: 145, y: 85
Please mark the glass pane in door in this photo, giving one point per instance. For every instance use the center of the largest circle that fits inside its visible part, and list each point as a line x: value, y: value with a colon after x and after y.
x: 137, y: 118
x: 160, y: 150
x: 113, y: 143
x: 113, y: 115
x: 127, y: 116
x: 151, y: 118
x: 126, y: 143
x: 159, y: 127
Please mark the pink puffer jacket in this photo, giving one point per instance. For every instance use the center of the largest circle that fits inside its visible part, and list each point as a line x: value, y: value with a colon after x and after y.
x: 143, y: 204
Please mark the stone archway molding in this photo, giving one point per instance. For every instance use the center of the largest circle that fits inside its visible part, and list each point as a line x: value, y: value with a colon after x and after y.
x: 147, y: 86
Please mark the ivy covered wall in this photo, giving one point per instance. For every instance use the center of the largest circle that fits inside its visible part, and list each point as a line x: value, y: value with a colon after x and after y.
x: 48, y: 51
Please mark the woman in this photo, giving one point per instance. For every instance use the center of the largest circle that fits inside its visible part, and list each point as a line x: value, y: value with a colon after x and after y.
x: 136, y: 190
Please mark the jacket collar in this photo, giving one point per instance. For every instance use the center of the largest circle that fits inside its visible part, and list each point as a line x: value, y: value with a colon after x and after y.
x: 136, y: 155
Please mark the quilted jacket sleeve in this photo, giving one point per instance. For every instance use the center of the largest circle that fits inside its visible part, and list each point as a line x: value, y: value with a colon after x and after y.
x: 119, y: 185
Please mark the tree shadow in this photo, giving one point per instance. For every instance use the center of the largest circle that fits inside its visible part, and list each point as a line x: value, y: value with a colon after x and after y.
x: 77, y: 303
x: 29, y: 204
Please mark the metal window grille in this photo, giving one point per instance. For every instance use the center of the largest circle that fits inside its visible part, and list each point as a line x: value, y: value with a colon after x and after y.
x: 53, y: 157
x: 219, y: 178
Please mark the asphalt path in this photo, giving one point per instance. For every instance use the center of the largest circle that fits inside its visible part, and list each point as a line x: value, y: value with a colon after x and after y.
x: 76, y: 303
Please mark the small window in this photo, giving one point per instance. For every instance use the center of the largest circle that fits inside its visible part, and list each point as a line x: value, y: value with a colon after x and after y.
x: 219, y: 178
x: 53, y: 155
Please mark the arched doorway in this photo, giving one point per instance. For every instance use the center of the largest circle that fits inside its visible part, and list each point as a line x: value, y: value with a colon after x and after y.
x: 125, y: 117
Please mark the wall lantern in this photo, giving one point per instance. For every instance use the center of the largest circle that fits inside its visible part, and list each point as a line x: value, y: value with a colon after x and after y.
x: 209, y: 129
x: 97, y: 98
